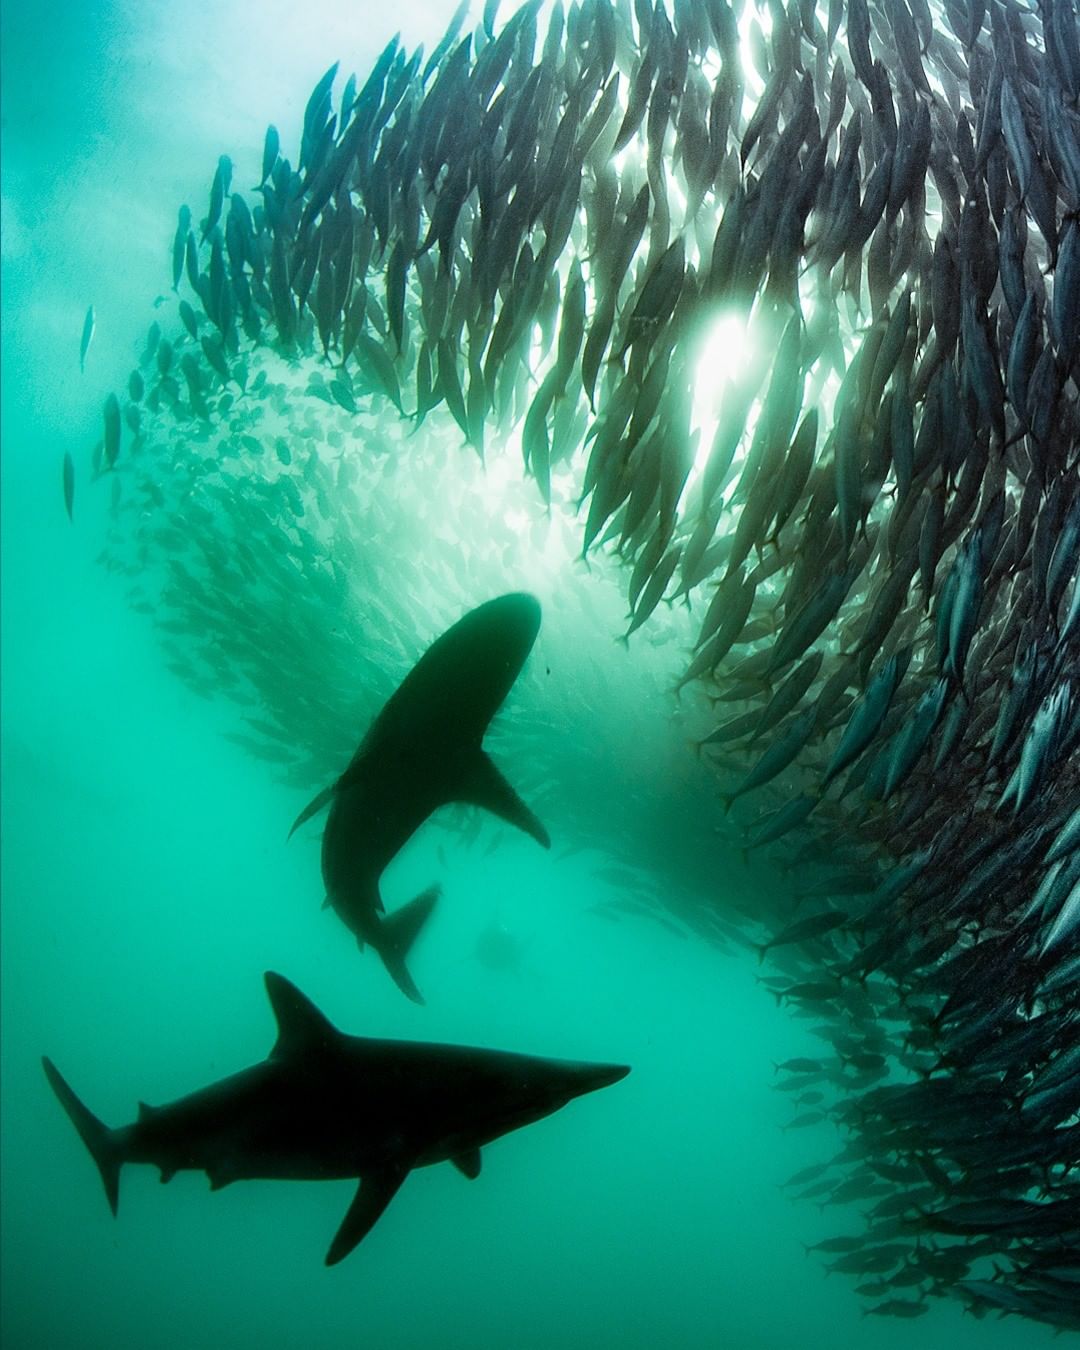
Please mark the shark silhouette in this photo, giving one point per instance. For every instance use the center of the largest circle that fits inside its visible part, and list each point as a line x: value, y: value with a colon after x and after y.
x: 327, y: 1106
x: 424, y: 750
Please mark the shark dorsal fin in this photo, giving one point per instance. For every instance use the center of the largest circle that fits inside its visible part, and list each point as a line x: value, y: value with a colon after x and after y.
x: 302, y: 1028
x: 145, y: 1112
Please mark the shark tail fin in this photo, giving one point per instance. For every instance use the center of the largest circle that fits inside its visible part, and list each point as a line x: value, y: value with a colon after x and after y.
x: 398, y: 932
x: 103, y: 1143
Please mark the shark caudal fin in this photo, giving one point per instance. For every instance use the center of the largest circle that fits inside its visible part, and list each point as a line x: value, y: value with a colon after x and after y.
x: 396, y: 935
x: 103, y: 1143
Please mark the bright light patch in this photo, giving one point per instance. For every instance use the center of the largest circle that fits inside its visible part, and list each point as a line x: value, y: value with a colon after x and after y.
x: 755, y: 85
x: 725, y: 354
x: 809, y: 291
x: 631, y: 156
x: 727, y: 349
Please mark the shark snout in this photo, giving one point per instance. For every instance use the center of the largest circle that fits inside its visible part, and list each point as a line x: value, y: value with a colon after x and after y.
x: 591, y: 1077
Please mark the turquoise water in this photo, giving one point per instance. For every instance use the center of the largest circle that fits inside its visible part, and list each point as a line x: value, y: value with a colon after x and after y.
x: 148, y: 882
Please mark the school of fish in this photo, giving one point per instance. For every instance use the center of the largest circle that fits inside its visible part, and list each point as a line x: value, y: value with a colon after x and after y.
x: 523, y: 241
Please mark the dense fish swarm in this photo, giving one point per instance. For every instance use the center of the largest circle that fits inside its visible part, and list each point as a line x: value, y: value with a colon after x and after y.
x: 787, y: 302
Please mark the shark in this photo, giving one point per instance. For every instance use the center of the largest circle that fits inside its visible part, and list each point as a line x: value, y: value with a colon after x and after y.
x: 327, y: 1106
x: 424, y: 750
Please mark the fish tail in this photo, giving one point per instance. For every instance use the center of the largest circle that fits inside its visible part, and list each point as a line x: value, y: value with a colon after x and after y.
x: 105, y: 1145
x: 397, y: 935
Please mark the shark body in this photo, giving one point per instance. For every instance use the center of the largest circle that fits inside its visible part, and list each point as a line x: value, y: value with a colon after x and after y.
x: 326, y: 1106
x: 424, y: 750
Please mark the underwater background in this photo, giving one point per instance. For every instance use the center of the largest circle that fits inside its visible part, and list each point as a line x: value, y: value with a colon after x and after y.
x: 148, y: 882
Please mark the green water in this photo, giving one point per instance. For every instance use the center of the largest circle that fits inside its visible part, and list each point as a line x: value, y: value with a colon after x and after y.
x: 147, y: 882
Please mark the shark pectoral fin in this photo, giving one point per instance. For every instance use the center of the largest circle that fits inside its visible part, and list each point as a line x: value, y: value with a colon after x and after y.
x: 483, y: 785
x: 374, y: 1193
x: 468, y: 1163
x: 313, y: 808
